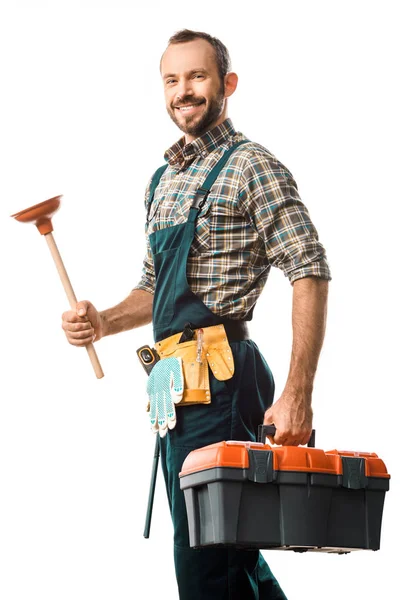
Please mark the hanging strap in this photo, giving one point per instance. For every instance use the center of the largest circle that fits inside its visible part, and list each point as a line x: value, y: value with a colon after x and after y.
x: 203, y: 191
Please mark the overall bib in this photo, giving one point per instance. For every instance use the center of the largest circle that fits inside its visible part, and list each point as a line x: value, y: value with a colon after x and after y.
x: 237, y: 408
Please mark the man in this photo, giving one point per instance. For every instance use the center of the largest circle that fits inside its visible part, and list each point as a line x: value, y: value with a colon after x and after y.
x: 220, y: 213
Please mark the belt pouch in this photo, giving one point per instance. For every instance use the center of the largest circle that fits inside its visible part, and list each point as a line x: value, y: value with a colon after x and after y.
x: 215, y: 352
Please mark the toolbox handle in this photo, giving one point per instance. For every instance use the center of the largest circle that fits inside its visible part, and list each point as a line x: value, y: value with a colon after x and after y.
x: 265, y: 430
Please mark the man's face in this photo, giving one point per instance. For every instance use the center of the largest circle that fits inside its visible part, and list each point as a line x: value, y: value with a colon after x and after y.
x: 194, y: 92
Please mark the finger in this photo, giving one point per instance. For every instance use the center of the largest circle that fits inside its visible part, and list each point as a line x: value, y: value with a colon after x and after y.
x: 284, y: 442
x: 81, y: 343
x: 268, y: 417
x: 81, y: 335
x: 82, y: 308
x: 72, y: 317
x: 304, y: 440
x: 281, y: 438
x: 77, y: 326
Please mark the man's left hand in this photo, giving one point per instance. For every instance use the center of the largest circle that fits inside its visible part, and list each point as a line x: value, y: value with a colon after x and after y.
x: 292, y: 416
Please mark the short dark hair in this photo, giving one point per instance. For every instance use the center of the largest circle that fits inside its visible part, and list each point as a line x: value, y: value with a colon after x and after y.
x: 221, y: 52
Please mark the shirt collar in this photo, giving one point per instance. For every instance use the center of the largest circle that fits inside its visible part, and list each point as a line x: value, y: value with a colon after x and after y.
x: 180, y: 154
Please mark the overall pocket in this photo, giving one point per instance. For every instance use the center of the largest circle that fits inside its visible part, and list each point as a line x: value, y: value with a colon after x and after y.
x: 166, y: 266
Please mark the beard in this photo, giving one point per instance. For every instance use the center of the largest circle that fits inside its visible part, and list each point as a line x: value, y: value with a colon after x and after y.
x: 193, y: 124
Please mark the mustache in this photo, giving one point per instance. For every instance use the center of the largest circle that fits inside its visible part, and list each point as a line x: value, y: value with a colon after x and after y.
x: 189, y: 100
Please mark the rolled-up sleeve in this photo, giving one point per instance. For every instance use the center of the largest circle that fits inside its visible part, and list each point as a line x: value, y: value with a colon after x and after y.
x: 269, y: 200
x: 148, y: 279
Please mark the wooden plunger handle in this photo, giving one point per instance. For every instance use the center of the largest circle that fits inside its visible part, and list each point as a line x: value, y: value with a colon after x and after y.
x: 72, y: 298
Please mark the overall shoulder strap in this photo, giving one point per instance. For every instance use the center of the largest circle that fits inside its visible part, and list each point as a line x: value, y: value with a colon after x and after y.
x: 155, y: 180
x: 204, y: 190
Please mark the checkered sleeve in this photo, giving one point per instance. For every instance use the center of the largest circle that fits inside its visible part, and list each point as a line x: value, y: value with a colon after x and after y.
x: 269, y: 199
x: 148, y: 279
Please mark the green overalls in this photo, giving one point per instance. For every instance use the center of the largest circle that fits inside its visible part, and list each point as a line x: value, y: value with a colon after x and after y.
x: 237, y: 408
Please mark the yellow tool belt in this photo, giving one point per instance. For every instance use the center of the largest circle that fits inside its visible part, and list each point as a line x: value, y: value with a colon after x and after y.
x: 209, y: 348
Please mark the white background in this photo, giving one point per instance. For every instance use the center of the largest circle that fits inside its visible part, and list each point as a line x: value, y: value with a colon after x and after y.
x: 82, y: 115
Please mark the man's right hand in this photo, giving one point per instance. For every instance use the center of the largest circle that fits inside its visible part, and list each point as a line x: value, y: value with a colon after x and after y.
x: 82, y: 326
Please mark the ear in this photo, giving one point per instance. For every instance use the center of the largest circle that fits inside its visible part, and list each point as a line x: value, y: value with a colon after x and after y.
x: 231, y: 81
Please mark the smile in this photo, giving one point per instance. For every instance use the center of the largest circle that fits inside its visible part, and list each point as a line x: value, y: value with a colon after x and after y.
x: 189, y: 108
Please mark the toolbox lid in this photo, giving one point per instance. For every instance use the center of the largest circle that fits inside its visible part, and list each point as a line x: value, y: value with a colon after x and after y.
x: 235, y: 454
x: 374, y: 466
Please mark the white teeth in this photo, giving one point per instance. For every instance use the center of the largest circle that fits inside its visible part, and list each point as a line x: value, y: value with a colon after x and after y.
x: 186, y: 107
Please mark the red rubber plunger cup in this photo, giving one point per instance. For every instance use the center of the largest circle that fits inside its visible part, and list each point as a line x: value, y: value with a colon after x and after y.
x: 41, y: 215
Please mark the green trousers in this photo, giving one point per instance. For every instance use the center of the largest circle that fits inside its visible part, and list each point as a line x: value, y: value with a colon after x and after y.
x: 236, y: 410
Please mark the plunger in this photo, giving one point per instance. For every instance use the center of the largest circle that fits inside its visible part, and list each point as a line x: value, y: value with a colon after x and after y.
x: 41, y: 214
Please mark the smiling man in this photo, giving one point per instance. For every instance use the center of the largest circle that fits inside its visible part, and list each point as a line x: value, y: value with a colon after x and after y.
x: 195, y: 93
x: 221, y: 212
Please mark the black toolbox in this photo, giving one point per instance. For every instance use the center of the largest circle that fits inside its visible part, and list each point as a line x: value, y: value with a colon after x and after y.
x: 253, y: 495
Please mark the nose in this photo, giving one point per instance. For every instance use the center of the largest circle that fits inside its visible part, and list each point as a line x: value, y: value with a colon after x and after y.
x: 184, y: 88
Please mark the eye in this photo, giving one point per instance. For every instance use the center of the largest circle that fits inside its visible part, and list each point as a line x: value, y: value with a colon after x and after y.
x: 169, y: 81
x: 197, y: 75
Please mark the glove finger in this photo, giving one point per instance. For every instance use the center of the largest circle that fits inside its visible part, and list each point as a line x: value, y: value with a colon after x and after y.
x: 163, y: 432
x: 153, y: 408
x: 153, y: 412
x: 162, y: 417
x: 176, y: 395
x: 172, y: 420
x: 170, y: 411
x: 161, y: 410
x: 176, y: 381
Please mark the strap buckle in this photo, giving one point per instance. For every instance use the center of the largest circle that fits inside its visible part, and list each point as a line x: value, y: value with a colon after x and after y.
x: 200, y: 198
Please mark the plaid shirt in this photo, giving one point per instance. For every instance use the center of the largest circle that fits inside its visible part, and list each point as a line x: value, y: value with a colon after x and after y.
x: 253, y: 218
